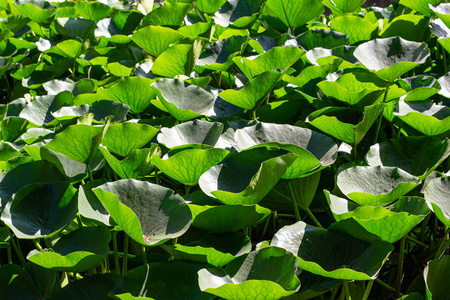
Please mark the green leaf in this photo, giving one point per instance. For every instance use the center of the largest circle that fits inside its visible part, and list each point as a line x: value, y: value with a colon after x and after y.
x: 78, y: 251
x: 162, y: 280
x: 94, y: 11
x: 169, y: 14
x: 209, y: 7
x: 276, y: 58
x: 125, y: 91
x: 376, y: 186
x: 425, y: 117
x: 437, y: 275
x: 41, y: 209
x: 332, y: 254
x: 155, y: 39
x: 246, y: 177
x: 354, y: 86
x: 36, y: 10
x: 76, y: 142
x: 318, y: 37
x: 176, y: 60
x: 421, y: 6
x: 315, y: 151
x: 75, y: 28
x: 90, y: 206
x: 137, y: 164
x: 391, y: 57
x: 420, y: 88
x: 436, y: 194
x: 189, y: 133
x: 219, y: 55
x: 343, y: 6
x: 410, y: 27
x: 28, y: 173
x: 40, y: 110
x: 417, y: 155
x: 296, y: 13
x: 253, y: 92
x: 239, y: 13
x: 150, y: 214
x: 182, y: 100
x: 340, y: 122
x: 389, y: 225
x: 123, y: 138
x: 188, y: 165
x: 268, y: 273
x: 355, y: 27
x: 215, y: 249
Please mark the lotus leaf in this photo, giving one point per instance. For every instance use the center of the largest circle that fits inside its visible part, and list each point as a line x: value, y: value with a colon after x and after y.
x: 36, y: 10
x: 177, y: 60
x: 155, y: 39
x: 436, y: 195
x: 215, y: 249
x: 410, y: 27
x: 343, y: 6
x: 188, y: 165
x: 388, y: 225
x: 428, y: 118
x: 324, y: 38
x: 375, y: 186
x: 150, y: 214
x: 332, y: 254
x: 219, y: 55
x: 315, y: 151
x: 355, y: 27
x: 239, y: 13
x: 268, y: 273
x: 170, y: 15
x: 416, y: 155
x: 125, y: 92
x: 391, y: 57
x: 192, y: 132
x: 421, y: 6
x: 253, y: 92
x: 340, y: 122
x: 296, y: 13
x: 77, y: 251
x: 182, y: 100
x: 246, y: 177
x: 436, y: 276
x: 41, y: 209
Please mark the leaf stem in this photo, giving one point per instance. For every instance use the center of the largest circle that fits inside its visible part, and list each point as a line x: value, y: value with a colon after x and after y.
x: 266, y: 225
x: 144, y: 255
x: 125, y: 254
x: 385, y: 285
x: 36, y: 244
x: 380, y: 118
x: 116, y: 254
x: 88, y: 167
x: 294, y: 201
x: 367, y: 290
x: 130, y: 49
x: 398, y: 280
x: 414, y: 240
x: 310, y: 214
x: 443, y: 245
x: 347, y: 291
x: 18, y: 251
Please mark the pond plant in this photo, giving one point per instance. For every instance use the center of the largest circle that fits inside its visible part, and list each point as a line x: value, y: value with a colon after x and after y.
x: 229, y: 149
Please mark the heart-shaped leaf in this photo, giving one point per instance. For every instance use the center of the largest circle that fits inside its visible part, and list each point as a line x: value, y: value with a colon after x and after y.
x: 436, y: 276
x: 219, y: 55
x: 150, y: 214
x: 36, y: 10
x: 297, y: 12
x: 239, y: 13
x: 355, y: 27
x: 376, y: 186
x: 421, y: 6
x: 78, y: 251
x: 155, y: 39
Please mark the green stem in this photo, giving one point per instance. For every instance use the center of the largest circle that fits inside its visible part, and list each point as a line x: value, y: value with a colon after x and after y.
x: 116, y: 255
x: 398, y: 280
x: 220, y: 79
x: 254, y: 114
x: 16, y: 247
x: 443, y: 245
x: 125, y: 254
x: 334, y: 293
x: 80, y: 223
x: 385, y: 285
x: 367, y: 290
x: 310, y: 214
x: 187, y: 190
x: 287, y: 216
x: 445, y: 60
x: 294, y: 201
x: 9, y: 254
x: 347, y: 290
x: 380, y: 118
x: 36, y: 244
x: 88, y: 167
x: 266, y: 225
x: 414, y: 240
x: 130, y: 49
x: 144, y: 255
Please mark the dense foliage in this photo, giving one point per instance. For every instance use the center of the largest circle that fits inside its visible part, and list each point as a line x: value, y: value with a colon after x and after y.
x: 240, y: 149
